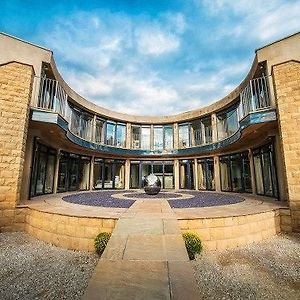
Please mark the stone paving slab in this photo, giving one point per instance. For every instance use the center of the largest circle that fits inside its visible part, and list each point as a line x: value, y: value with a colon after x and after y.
x: 123, y: 280
x: 145, y: 258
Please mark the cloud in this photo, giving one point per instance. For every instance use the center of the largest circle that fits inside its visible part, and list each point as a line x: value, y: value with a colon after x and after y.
x: 154, y: 41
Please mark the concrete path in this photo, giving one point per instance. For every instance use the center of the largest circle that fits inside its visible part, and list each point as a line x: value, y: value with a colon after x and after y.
x: 145, y: 258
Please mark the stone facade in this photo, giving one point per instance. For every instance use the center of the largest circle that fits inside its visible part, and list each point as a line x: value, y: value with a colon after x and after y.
x: 70, y: 232
x: 286, y: 78
x: 15, y: 96
x: 229, y: 232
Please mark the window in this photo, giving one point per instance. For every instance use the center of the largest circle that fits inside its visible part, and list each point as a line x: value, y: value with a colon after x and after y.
x: 265, y: 171
x: 206, y: 179
x: 168, y: 137
x: 121, y: 135
x: 145, y: 137
x: 158, y: 138
x: 99, y: 131
x: 135, y: 136
x: 110, y: 134
x: 227, y: 123
x: 184, y: 136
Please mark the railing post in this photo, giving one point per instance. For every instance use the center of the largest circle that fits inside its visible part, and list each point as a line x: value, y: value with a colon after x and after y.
x: 252, y: 96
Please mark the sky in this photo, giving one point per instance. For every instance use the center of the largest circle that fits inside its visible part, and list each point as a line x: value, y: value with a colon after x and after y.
x: 151, y: 57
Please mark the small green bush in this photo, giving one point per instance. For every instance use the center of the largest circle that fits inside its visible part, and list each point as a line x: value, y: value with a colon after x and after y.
x: 101, y: 241
x: 193, y: 244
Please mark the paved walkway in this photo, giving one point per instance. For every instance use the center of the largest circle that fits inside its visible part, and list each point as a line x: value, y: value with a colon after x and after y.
x: 145, y: 258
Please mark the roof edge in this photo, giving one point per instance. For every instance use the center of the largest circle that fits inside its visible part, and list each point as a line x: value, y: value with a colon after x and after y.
x: 277, y: 41
x: 26, y: 42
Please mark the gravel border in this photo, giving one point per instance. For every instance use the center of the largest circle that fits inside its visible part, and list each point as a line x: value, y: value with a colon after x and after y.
x: 31, y: 269
x: 265, y: 270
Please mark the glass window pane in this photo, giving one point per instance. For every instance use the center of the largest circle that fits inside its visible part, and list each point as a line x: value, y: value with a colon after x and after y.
x: 86, y: 127
x: 110, y: 134
x: 50, y: 174
x: 136, y: 137
x: 121, y: 135
x: 134, y: 176
x: 168, y: 137
x: 236, y: 175
x: 99, y: 131
x: 184, y: 136
x: 120, y: 176
x: 197, y: 133
x: 145, y: 139
x: 98, y: 166
x: 158, y: 138
x: 258, y: 175
x: 225, y: 175
x: 84, y: 175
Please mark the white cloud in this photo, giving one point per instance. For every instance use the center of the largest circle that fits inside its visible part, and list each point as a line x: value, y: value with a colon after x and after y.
x: 154, y: 41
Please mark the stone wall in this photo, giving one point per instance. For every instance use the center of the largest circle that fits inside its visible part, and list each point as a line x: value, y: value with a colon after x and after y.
x: 230, y: 232
x: 286, y: 78
x: 70, y: 232
x: 15, y: 95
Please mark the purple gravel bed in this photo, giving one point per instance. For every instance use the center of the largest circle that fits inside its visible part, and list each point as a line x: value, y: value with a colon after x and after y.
x: 205, y: 199
x: 102, y: 199
x: 160, y: 195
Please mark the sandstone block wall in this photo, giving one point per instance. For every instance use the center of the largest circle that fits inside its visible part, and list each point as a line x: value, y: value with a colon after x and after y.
x: 286, y: 79
x: 15, y: 95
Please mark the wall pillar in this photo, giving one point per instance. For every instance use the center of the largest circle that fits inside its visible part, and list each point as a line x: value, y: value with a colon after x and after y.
x: 286, y: 79
x: 176, y: 174
x: 176, y: 136
x: 217, y: 173
x: 196, y: 174
x: 15, y: 95
x: 252, y: 170
x: 56, y: 170
x: 128, y: 136
x: 127, y: 174
x: 214, y: 127
x: 92, y: 173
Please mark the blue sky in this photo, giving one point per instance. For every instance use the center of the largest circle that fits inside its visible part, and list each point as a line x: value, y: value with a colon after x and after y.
x: 151, y: 57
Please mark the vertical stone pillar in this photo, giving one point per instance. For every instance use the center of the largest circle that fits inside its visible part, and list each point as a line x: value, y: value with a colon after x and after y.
x: 176, y: 174
x: 176, y: 136
x: 151, y: 137
x: 252, y: 170
x: 214, y: 128
x: 56, y: 172
x: 196, y: 174
x: 127, y: 174
x: 15, y: 96
x: 286, y: 79
x: 128, y: 136
x: 92, y: 172
x: 217, y: 173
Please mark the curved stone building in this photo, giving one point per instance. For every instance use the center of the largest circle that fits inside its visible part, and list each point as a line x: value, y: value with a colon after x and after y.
x: 53, y: 140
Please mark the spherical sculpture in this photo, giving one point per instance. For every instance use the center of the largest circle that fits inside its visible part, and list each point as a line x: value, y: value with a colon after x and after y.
x: 152, y: 184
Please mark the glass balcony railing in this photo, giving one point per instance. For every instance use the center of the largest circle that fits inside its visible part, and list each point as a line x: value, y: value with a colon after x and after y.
x: 50, y: 95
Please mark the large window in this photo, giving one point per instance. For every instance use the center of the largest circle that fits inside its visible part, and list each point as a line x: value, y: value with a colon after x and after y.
x: 145, y: 137
x: 202, y: 131
x: 186, y: 174
x: 206, y: 180
x: 110, y: 134
x: 99, y: 131
x: 42, y: 176
x: 109, y: 174
x: 265, y: 171
x: 115, y: 134
x: 227, y: 122
x: 136, y: 136
x: 235, y: 173
x: 74, y: 172
x: 121, y: 135
x: 164, y: 170
x: 184, y: 135
x: 163, y: 137
x: 81, y: 123
x: 168, y: 137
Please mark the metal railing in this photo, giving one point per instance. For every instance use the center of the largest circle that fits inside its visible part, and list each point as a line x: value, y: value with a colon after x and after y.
x: 50, y: 95
x: 254, y: 97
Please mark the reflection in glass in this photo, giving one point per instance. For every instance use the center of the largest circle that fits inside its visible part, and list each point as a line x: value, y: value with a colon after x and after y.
x: 145, y: 138
x: 225, y: 175
x: 121, y: 135
x: 99, y: 131
x: 158, y: 138
x: 168, y: 137
x: 184, y: 136
x: 110, y: 134
x: 186, y: 174
x: 227, y: 123
x: 135, y: 136
x: 134, y: 176
x: 206, y: 180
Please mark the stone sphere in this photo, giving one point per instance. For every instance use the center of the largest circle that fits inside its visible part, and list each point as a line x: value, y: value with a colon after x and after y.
x: 152, y: 184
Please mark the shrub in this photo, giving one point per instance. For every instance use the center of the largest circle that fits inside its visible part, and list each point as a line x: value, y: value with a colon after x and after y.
x: 193, y: 244
x: 101, y: 241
